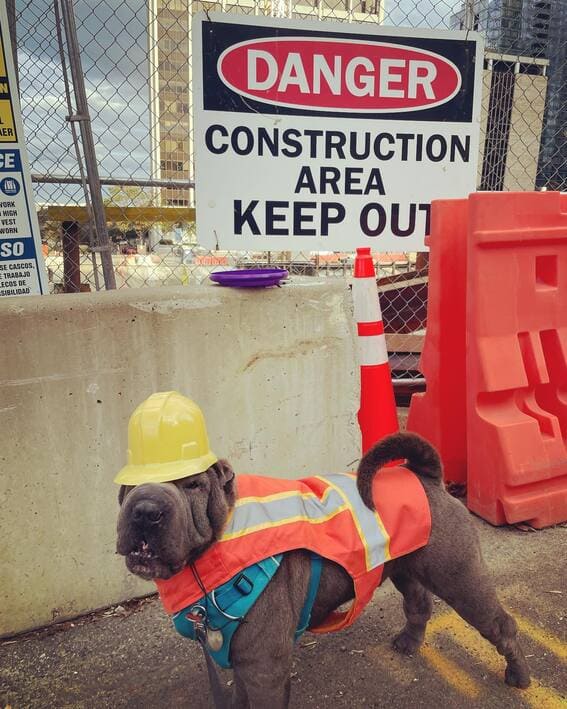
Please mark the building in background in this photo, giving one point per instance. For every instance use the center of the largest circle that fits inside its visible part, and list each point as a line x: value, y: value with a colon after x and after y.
x: 533, y: 29
x: 170, y: 72
x: 549, y: 33
x: 513, y: 105
x: 169, y: 52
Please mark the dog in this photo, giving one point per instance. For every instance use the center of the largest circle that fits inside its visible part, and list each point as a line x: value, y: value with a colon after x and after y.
x: 164, y: 527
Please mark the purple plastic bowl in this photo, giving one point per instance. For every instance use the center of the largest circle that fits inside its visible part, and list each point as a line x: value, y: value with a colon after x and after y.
x: 250, y: 278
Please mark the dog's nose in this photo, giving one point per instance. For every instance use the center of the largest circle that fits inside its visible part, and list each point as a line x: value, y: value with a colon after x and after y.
x: 146, y: 513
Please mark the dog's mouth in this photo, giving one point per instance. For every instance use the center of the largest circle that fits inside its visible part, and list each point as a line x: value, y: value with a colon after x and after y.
x: 143, y: 552
x: 145, y: 562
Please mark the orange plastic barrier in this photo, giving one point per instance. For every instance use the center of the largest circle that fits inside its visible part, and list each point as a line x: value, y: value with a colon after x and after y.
x: 440, y: 413
x: 517, y: 357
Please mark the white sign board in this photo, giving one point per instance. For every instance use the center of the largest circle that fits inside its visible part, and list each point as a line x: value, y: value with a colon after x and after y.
x: 22, y: 270
x: 327, y: 136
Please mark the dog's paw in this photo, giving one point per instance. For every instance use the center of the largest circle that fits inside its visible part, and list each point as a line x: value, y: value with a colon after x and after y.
x: 405, y: 644
x: 517, y: 677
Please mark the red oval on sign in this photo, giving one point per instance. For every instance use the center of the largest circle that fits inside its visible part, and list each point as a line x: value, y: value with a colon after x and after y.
x: 339, y: 74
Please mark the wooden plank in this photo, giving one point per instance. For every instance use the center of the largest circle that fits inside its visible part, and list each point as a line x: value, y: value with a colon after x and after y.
x: 412, y: 342
x: 398, y: 282
x: 61, y: 213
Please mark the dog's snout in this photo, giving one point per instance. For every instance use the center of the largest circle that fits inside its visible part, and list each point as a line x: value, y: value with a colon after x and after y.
x: 146, y: 513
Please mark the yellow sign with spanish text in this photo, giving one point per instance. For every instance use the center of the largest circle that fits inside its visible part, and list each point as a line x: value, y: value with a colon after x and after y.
x: 22, y: 268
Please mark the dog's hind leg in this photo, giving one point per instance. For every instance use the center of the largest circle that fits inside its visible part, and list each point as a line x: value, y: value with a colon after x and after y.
x: 451, y: 566
x: 417, y: 608
x: 474, y: 599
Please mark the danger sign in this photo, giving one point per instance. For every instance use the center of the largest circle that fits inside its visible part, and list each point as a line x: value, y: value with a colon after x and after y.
x: 322, y: 136
x: 338, y: 75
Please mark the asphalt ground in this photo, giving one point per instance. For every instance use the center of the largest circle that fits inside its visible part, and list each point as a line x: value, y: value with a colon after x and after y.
x: 131, y: 657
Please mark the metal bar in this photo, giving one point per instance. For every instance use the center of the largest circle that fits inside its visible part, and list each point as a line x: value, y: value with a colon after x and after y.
x: 114, y: 181
x: 93, y: 178
x: 469, y: 18
x: 190, y: 96
x: 81, y: 214
x: 153, y: 97
x: 78, y: 155
x: 71, y: 257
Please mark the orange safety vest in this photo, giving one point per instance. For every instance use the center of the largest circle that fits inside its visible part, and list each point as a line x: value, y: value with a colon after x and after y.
x: 323, y: 514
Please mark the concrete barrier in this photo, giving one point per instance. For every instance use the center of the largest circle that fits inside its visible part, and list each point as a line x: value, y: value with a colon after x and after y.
x: 274, y: 371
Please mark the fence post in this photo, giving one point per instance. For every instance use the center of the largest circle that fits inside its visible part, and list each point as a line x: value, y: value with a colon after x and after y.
x: 71, y: 257
x: 83, y: 118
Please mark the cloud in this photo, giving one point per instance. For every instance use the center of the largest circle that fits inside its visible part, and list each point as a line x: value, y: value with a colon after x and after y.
x: 113, y: 43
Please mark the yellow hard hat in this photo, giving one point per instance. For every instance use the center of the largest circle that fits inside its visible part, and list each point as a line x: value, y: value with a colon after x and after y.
x: 167, y: 440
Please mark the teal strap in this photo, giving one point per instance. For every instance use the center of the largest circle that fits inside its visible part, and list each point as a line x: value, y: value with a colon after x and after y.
x: 224, y: 608
x: 305, y: 617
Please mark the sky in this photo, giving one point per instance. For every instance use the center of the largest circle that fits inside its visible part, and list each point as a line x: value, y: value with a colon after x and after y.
x: 113, y: 39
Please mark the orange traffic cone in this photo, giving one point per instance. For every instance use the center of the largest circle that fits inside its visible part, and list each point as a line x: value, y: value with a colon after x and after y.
x: 377, y: 416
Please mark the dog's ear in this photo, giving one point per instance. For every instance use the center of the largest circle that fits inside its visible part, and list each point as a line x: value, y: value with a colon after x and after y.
x: 222, y: 494
x: 124, y: 490
x: 225, y: 474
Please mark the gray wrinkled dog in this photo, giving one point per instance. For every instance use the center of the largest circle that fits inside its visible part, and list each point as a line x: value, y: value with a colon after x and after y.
x: 180, y: 520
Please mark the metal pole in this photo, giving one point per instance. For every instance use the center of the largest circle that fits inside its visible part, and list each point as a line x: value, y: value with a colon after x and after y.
x: 78, y: 155
x: 71, y: 258
x: 469, y: 15
x: 83, y: 118
x: 153, y: 87
x: 118, y: 181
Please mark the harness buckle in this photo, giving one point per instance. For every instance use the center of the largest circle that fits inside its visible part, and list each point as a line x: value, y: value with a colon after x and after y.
x: 244, y: 585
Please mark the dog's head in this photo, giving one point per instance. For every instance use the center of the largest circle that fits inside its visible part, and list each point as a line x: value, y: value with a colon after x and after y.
x: 164, y: 526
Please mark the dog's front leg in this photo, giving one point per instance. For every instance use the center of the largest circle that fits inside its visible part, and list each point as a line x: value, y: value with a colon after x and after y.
x: 261, y: 654
x: 262, y: 648
x: 262, y: 685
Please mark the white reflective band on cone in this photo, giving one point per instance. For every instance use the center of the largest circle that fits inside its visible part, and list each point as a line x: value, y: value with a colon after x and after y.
x: 372, y: 350
x: 365, y: 299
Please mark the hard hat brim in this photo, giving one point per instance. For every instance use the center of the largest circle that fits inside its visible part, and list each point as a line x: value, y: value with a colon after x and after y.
x: 164, y: 472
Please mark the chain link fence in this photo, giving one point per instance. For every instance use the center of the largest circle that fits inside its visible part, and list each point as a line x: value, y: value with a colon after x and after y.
x: 136, y: 59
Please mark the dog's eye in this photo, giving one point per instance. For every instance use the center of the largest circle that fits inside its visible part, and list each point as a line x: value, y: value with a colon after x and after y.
x: 192, y: 485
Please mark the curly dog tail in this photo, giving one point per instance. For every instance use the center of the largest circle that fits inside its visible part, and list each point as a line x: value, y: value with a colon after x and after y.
x: 422, y: 459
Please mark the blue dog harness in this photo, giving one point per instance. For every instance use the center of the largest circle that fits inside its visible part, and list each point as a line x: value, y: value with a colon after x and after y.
x: 224, y: 608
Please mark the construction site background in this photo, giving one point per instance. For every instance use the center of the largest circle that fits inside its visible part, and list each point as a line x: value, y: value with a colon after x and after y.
x: 136, y: 59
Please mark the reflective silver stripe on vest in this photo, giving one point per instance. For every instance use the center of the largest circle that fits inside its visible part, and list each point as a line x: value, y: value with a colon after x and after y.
x: 370, y: 527
x: 252, y: 514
